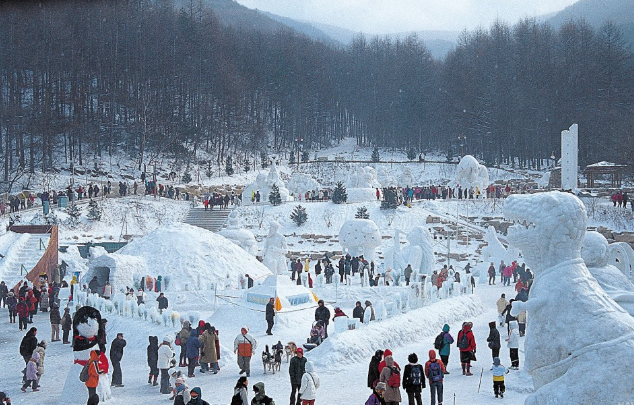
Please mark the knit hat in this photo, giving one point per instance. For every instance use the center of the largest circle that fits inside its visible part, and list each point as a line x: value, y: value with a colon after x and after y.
x: 167, y: 339
x: 496, y: 361
x: 299, y: 350
x: 380, y: 386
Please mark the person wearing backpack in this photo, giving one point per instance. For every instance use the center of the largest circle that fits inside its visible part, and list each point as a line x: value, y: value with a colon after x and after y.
x: 494, y: 340
x: 376, y: 398
x: 93, y: 373
x: 382, y: 364
x: 240, y: 393
x: 309, y: 385
x: 443, y: 345
x: 413, y: 379
x: 467, y: 346
x: 244, y: 346
x: 435, y: 372
x: 391, y: 376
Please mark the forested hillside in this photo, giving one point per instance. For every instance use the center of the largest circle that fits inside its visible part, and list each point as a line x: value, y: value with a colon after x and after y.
x: 85, y: 79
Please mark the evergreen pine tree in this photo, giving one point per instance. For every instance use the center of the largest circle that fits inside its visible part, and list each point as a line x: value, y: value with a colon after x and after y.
x: 375, y: 155
x: 247, y: 166
x: 208, y: 171
x: 229, y: 166
x: 390, y: 200
x: 94, y: 211
x: 299, y: 215
x: 274, y: 196
x: 74, y: 213
x: 187, y: 177
x: 411, y: 154
x: 339, y: 194
x: 362, y: 213
x: 291, y: 158
x: 305, y: 157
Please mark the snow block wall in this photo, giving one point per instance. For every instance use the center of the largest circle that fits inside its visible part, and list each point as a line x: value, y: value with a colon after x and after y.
x: 360, y: 344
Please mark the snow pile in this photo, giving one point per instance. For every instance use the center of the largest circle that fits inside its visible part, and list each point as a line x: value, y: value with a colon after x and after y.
x: 183, y: 253
x: 240, y: 236
x: 360, y: 345
x: 360, y: 237
x: 301, y: 182
x: 10, y: 245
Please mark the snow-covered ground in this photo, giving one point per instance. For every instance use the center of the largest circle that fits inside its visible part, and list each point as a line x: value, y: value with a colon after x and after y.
x: 342, y: 360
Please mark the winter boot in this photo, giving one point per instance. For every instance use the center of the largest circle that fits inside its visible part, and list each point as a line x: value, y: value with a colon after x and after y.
x: 464, y: 372
x: 469, y: 370
x: 155, y: 383
x: 149, y: 379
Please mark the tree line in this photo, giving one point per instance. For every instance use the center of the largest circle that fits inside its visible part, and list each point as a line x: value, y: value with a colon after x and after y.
x: 84, y: 80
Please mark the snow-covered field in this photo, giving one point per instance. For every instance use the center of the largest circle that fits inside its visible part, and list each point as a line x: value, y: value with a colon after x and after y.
x: 342, y: 360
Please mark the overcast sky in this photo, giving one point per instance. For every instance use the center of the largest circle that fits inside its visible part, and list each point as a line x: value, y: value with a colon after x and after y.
x: 390, y: 16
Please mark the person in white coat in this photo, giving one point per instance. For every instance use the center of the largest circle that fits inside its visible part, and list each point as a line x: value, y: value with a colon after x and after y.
x: 165, y: 361
x: 513, y: 345
x: 310, y: 384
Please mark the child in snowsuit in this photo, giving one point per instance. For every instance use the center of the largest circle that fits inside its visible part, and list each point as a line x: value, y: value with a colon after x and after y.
x: 31, y: 373
x: 498, y: 378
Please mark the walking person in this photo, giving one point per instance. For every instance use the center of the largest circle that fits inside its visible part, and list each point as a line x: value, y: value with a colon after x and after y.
x: 240, y: 392
x: 55, y: 319
x: 12, y: 303
x: 116, y: 354
x: 494, y: 340
x: 435, y: 372
x: 27, y: 346
x: 513, y: 345
x: 22, y: 310
x: 31, y: 373
x: 209, y: 346
x: 67, y: 325
x: 93, y: 374
x: 391, y: 376
x: 165, y: 362
x: 192, y: 352
x: 445, y: 349
x: 4, y: 293
x: 162, y: 302
x: 413, y: 380
x: 492, y: 274
x: 309, y: 385
x: 270, y: 315
x: 498, y: 378
x: 244, y: 346
x: 322, y: 313
x: 467, y: 346
x: 152, y: 359
x: 183, y: 335
x: 296, y: 371
x: 373, y: 369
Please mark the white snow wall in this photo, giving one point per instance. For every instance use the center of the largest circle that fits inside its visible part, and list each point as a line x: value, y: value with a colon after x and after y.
x: 360, y: 344
x: 569, y: 157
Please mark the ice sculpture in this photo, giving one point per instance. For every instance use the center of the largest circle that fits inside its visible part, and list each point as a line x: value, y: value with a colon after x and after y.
x: 562, y: 357
x: 240, y: 236
x: 595, y: 252
x: 470, y: 173
x: 275, y: 250
x: 360, y: 237
x: 419, y: 252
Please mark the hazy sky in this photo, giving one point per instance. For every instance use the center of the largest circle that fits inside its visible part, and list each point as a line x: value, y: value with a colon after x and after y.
x: 389, y: 16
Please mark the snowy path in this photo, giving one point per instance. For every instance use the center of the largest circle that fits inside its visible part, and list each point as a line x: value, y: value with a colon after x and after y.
x: 342, y: 383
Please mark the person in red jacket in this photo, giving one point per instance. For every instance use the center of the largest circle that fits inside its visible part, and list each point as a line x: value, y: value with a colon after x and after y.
x: 467, y: 346
x: 382, y: 364
x: 435, y: 372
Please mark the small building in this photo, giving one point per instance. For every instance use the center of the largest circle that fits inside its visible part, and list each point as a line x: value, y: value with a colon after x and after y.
x: 615, y: 171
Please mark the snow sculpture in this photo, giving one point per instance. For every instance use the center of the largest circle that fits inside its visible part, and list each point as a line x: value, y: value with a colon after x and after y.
x: 394, y: 256
x: 419, y: 252
x: 622, y: 257
x: 406, y: 178
x: 385, y: 179
x: 275, y: 250
x: 559, y: 355
x: 263, y: 184
x: 240, y: 236
x: 87, y: 329
x: 470, y: 173
x: 569, y: 157
x: 360, y: 237
x: 494, y: 251
x: 301, y: 182
x: 595, y: 252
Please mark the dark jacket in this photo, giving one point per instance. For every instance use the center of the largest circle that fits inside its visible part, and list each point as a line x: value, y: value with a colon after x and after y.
x: 193, y: 345
x: 29, y: 343
x: 407, y: 378
x: 12, y: 303
x: 322, y: 314
x: 116, y: 349
x: 152, y: 352
x: 507, y: 312
x: 162, y: 302
x: 4, y: 291
x: 494, y: 336
x: 67, y: 322
x: 297, y: 369
x: 199, y: 400
x: 357, y: 312
x: 270, y: 311
x: 54, y: 316
x: 373, y: 370
x: 260, y: 398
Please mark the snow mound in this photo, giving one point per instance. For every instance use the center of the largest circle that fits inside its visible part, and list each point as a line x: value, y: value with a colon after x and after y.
x: 188, y: 253
x: 360, y: 344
